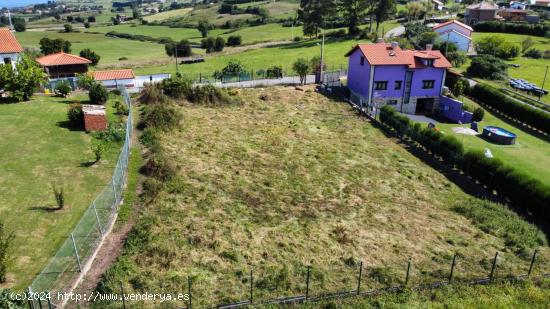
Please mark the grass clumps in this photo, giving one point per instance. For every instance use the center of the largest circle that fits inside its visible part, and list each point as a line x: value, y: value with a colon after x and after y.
x: 519, y: 236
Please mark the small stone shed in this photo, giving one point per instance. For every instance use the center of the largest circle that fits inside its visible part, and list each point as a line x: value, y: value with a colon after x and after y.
x: 95, y: 118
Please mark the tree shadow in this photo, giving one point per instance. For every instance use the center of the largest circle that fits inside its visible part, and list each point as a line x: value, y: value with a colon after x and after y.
x: 45, y: 208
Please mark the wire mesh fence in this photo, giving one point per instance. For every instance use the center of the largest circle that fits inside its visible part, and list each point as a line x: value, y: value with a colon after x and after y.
x: 77, y: 251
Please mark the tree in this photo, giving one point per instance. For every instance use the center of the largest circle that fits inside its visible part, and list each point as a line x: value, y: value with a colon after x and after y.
x: 90, y: 55
x: 49, y: 46
x: 22, y: 81
x: 79, y: 19
x: 414, y: 9
x: 232, y: 69
x: 183, y: 48
x: 497, y: 46
x: 301, y: 67
x: 219, y: 44
x: 68, y: 27
x: 85, y: 81
x: 70, y: 18
x: 208, y: 44
x: 91, y: 19
x: 98, y: 149
x: 20, y: 26
x: 203, y: 27
x: 136, y: 13
x: 234, y: 40
x: 382, y: 11
x: 6, y: 240
x: 478, y: 114
x: 487, y: 66
x: 354, y: 11
x: 313, y: 13
x: 98, y: 94
x: 86, y: 25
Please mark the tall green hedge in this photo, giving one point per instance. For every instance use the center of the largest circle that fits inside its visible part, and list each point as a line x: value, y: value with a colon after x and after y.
x: 491, y: 96
x: 517, y: 28
x: 519, y: 188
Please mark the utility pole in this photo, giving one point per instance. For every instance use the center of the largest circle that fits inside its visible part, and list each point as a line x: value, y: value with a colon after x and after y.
x: 543, y: 82
x: 292, y: 32
x: 9, y: 18
x: 176, y: 54
x: 322, y: 57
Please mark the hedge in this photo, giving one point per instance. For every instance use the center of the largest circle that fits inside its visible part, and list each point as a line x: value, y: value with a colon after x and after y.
x: 516, y: 28
x: 491, y: 96
x: 521, y: 189
x: 139, y: 37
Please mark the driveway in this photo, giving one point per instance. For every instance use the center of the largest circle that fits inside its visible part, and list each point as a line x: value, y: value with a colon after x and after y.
x: 394, y: 32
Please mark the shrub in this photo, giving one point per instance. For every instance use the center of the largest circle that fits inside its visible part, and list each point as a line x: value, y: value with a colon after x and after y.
x: 98, y: 94
x: 20, y: 26
x: 274, y: 72
x: 498, y: 46
x: 219, y: 44
x: 152, y: 94
x: 301, y: 67
x: 116, y: 132
x: 121, y: 108
x: 516, y: 28
x: 91, y: 19
x: 6, y: 240
x: 533, y: 53
x: 160, y: 167
x: 68, y: 27
x: 116, y: 91
x: 546, y: 54
x: 527, y: 43
x: 234, y: 40
x: 478, y: 114
x: 90, y: 55
x: 177, y: 87
x: 63, y: 88
x: 85, y: 81
x: 297, y: 38
x: 75, y: 115
x: 98, y: 149
x: 182, y: 48
x: 209, y: 95
x: 59, y: 195
x: 86, y: 25
x: 487, y: 66
x: 163, y: 117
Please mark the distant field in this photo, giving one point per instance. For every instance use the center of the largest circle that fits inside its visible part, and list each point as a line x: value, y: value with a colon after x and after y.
x: 168, y: 14
x: 37, y: 150
x: 273, y: 185
x: 110, y: 49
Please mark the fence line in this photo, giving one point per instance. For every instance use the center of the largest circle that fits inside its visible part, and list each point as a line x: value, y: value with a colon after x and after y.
x: 71, y: 262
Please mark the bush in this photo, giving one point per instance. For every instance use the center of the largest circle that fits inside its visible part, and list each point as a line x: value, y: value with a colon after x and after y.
x: 177, y: 87
x: 85, y: 81
x: 487, y: 66
x: 163, y: 117
x: 516, y: 28
x: 274, y: 72
x: 91, y: 19
x: 98, y: 149
x: 59, y: 195
x: 121, y: 108
x: 533, y: 53
x: 90, y: 55
x: 152, y: 94
x: 209, y: 95
x: 98, y: 94
x: 20, y: 26
x: 63, y: 88
x: 86, y: 25
x: 546, y: 54
x: 297, y: 38
x: 234, y: 40
x: 116, y: 132
x: 182, y: 48
x: 219, y: 44
x: 478, y: 114
x: 68, y: 27
x: 498, y: 46
x: 75, y: 115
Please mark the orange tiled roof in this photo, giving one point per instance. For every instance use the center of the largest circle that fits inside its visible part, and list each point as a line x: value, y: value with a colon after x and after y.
x: 383, y: 54
x: 454, y: 21
x: 8, y: 42
x: 113, y: 74
x: 61, y: 59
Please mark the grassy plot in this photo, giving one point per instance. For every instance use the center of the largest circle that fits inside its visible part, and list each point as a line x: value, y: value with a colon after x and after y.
x: 295, y: 179
x: 168, y: 14
x: 38, y: 149
x: 530, y: 154
x: 110, y: 49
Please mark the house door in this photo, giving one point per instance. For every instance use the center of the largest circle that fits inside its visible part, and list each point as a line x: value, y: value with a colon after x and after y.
x: 424, y: 106
x: 408, y: 83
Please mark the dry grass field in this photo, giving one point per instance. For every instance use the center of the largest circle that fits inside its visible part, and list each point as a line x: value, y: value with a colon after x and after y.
x: 274, y: 184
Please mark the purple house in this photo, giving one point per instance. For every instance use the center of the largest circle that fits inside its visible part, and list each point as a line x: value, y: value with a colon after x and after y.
x: 384, y: 74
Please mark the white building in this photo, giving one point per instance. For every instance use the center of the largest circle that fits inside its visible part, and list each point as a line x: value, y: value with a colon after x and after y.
x: 10, y: 49
x: 518, y: 5
x: 457, y: 33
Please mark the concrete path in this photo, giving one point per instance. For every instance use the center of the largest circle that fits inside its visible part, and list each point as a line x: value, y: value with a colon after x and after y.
x: 394, y: 32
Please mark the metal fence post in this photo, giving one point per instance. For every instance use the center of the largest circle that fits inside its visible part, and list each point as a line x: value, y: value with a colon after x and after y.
x: 97, y: 218
x: 189, y: 292
x: 452, y: 268
x: 114, y: 190
x: 408, y: 272
x: 122, y: 291
x: 50, y: 301
x: 251, y: 287
x: 532, y: 263
x: 29, y: 301
x: 359, y: 278
x: 307, y: 281
x: 493, y: 268
x: 76, y: 253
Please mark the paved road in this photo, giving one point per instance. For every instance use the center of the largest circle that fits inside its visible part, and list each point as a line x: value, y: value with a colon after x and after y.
x: 394, y: 32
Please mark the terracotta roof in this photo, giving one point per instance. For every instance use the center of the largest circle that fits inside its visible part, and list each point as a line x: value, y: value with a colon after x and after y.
x: 454, y: 21
x: 483, y: 6
x: 61, y: 59
x: 8, y: 42
x: 383, y: 54
x: 113, y: 74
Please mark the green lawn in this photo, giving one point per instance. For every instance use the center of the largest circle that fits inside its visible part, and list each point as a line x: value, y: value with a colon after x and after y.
x: 38, y: 150
x: 168, y: 14
x: 110, y: 49
x: 530, y: 154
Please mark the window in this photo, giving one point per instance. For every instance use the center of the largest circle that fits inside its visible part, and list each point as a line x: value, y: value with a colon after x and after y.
x: 380, y: 85
x: 7, y: 60
x: 392, y: 102
x: 398, y: 84
x: 428, y: 84
x: 362, y: 60
x: 430, y: 62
